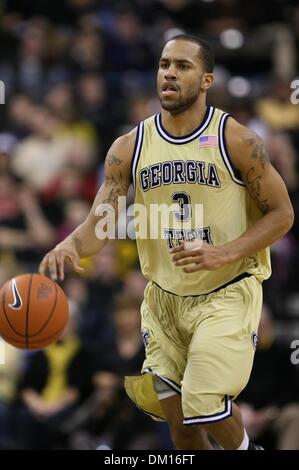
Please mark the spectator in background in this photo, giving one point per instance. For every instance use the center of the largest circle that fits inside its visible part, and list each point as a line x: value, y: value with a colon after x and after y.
x: 44, y: 150
x: 134, y: 284
x: 244, y: 111
x: 277, y: 110
x: 71, y: 184
x: 24, y: 230
x: 105, y: 268
x: 49, y: 149
x: 284, y: 158
x: 87, y: 52
x: 18, y: 115
x: 125, y: 354
x: 127, y: 47
x: 66, y: 13
x: 78, y: 75
x: 10, y: 371
x: 32, y: 61
x: 102, y: 284
x: 56, y: 380
x: 270, y: 402
x: 61, y: 101
x: 75, y: 212
x: 140, y: 107
x: 4, y: 160
x: 108, y: 419
x: 76, y: 290
x: 98, y: 108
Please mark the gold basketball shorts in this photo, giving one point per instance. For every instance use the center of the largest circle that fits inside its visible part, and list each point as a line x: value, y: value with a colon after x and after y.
x: 201, y: 347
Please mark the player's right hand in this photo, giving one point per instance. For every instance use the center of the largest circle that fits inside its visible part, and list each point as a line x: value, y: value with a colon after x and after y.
x: 55, y: 259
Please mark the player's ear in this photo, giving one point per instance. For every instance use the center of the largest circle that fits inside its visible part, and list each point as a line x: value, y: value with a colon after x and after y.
x: 207, y: 81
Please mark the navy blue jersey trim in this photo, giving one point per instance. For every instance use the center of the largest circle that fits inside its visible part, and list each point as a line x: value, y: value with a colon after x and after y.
x: 189, y: 137
x: 213, y: 417
x: 137, y: 151
x: 168, y: 382
x: 233, y: 281
x: 134, y: 151
x: 234, y: 174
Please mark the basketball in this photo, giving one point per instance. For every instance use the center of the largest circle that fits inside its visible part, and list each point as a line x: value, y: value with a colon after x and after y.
x: 33, y: 311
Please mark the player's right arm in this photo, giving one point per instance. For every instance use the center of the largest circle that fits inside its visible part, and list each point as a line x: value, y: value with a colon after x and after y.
x: 83, y: 242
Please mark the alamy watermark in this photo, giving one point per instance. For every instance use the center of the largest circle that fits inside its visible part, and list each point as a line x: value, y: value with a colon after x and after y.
x: 295, y: 94
x: 171, y: 222
x: 295, y: 354
x: 2, y: 92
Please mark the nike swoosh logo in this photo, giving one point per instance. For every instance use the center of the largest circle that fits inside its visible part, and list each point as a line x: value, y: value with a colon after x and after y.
x: 17, y: 304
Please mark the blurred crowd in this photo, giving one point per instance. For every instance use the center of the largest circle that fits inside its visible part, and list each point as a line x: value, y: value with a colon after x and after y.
x: 77, y: 76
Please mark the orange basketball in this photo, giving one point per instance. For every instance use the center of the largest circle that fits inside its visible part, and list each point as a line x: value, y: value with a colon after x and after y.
x: 33, y: 311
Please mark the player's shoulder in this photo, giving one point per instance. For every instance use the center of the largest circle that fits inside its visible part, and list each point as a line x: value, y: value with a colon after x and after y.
x: 125, y: 143
x: 122, y: 149
x: 239, y: 137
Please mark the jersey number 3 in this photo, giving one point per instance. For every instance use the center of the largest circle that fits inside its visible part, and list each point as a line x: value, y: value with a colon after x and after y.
x: 184, y: 201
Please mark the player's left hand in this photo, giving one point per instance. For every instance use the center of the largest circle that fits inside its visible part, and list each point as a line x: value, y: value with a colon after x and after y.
x: 202, y: 255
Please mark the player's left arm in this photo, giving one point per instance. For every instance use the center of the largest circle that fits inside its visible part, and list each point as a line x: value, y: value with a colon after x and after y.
x: 265, y: 186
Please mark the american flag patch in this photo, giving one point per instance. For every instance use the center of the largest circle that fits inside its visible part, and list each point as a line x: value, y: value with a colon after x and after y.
x: 208, y: 141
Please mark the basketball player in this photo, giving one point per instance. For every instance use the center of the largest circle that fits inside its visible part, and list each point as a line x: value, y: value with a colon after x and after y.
x: 202, y: 304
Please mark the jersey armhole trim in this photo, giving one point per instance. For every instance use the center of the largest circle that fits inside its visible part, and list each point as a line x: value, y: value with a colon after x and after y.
x: 235, y: 176
x: 137, y: 151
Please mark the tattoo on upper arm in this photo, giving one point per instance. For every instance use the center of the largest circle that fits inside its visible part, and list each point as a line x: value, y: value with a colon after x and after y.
x: 116, y: 183
x: 255, y: 174
x: 117, y: 186
x: 253, y: 183
x: 258, y: 153
x: 113, y: 160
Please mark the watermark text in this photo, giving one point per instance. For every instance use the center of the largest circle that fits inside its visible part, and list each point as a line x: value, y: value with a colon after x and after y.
x: 2, y: 92
x: 295, y: 353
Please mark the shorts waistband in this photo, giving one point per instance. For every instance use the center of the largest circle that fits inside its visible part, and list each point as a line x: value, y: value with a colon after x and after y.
x: 233, y: 281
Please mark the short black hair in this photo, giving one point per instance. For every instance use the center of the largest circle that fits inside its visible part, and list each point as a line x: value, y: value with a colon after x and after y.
x: 206, y: 53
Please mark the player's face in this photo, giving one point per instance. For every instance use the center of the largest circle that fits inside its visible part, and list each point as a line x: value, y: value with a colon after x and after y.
x: 181, y: 77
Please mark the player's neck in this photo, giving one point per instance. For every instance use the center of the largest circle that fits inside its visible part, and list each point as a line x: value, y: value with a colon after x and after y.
x: 185, y: 122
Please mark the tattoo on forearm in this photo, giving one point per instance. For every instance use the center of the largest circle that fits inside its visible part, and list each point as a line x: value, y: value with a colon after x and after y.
x: 117, y: 186
x: 254, y: 176
x: 78, y: 245
x: 112, y: 197
x: 113, y: 160
x: 116, y: 182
